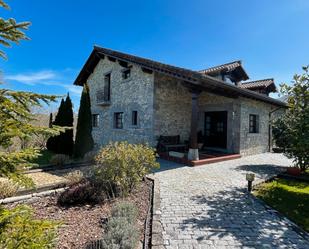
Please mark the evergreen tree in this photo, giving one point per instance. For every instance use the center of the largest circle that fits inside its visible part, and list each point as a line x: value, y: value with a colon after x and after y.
x: 63, y: 143
x: 66, y: 144
x: 53, y: 142
x: 83, y: 139
x: 15, y: 113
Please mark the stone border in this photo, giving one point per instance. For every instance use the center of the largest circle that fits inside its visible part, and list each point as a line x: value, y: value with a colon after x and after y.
x: 23, y: 198
x: 156, y: 228
x: 52, y: 167
x: 147, y: 224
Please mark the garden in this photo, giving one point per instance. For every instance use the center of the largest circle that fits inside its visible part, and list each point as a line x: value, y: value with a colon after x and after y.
x: 289, y: 192
x: 102, y: 198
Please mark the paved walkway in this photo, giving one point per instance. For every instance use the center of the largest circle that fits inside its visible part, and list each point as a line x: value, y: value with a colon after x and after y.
x: 207, y: 207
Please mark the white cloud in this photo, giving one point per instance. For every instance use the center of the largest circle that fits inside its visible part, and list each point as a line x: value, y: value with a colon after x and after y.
x: 32, y: 78
x: 47, y: 78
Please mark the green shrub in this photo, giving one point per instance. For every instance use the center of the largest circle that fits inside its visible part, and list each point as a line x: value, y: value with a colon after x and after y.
x: 125, y: 210
x: 74, y: 177
x: 60, y: 159
x: 90, y: 156
x: 124, y: 164
x: 121, y: 228
x: 82, y: 193
x: 18, y: 229
x: 7, y: 188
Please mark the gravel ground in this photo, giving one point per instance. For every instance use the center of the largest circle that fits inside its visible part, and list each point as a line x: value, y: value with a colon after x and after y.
x: 55, y: 176
x: 81, y: 224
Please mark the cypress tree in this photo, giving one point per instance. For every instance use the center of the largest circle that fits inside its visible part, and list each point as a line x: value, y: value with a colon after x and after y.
x: 63, y: 143
x: 54, y: 142
x: 83, y: 139
x: 66, y: 141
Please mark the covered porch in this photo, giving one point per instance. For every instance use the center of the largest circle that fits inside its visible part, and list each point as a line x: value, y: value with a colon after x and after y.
x: 210, y: 131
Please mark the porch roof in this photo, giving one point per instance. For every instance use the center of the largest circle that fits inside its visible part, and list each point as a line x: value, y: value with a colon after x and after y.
x: 259, y: 84
x: 194, y: 78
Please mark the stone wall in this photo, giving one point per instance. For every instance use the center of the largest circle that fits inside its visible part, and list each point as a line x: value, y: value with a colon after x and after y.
x: 254, y: 143
x: 172, y: 110
x: 164, y: 108
x: 172, y: 107
x: 127, y: 95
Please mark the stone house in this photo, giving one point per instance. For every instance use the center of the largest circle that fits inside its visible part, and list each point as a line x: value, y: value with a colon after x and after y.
x: 137, y: 100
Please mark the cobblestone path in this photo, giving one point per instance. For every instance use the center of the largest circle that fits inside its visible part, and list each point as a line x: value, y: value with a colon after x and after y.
x: 208, y: 207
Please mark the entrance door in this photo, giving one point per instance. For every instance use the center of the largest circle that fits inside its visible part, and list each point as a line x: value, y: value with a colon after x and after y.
x: 215, y: 129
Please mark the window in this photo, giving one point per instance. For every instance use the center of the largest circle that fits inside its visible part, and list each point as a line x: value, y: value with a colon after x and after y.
x: 134, y: 118
x: 126, y: 73
x: 253, y: 123
x: 118, y: 120
x: 95, y: 120
x: 220, y: 127
x: 107, y: 87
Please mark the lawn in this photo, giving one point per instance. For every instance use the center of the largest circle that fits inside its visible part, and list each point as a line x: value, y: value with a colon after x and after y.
x: 289, y: 197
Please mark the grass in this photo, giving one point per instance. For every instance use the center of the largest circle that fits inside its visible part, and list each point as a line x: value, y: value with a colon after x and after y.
x: 289, y: 197
x: 44, y: 158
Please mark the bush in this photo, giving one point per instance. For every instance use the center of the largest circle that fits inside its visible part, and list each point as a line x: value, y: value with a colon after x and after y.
x: 121, y: 228
x: 74, y: 177
x: 124, y: 165
x: 126, y: 210
x: 60, y: 159
x: 7, y: 188
x: 90, y: 156
x: 18, y: 229
x: 82, y: 193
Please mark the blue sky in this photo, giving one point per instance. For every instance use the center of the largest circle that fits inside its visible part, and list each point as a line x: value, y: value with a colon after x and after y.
x: 270, y: 37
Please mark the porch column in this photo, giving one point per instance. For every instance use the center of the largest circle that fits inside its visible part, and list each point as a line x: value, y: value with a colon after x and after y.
x: 193, y: 147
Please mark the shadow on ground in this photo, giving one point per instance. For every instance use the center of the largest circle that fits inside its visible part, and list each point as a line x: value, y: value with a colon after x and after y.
x: 233, y: 215
x: 263, y: 171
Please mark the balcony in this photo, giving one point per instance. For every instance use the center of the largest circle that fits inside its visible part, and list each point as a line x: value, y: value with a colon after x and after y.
x: 103, y: 97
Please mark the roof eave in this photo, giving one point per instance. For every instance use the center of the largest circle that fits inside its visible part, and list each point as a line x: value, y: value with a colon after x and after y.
x: 97, y: 53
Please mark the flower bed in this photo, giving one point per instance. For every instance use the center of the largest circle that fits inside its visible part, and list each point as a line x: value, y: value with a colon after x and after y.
x: 83, y: 224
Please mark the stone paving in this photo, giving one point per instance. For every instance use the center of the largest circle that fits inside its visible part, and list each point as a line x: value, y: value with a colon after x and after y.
x: 208, y: 207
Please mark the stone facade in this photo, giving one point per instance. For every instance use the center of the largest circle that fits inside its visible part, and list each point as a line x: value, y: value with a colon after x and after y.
x: 127, y: 95
x: 172, y: 110
x: 163, y: 104
x: 254, y: 143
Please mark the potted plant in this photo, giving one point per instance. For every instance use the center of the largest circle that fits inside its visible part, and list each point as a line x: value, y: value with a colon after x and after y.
x: 295, y: 171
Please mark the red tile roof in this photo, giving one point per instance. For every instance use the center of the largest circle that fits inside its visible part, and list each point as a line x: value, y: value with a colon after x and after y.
x: 231, y: 66
x: 194, y: 78
x: 258, y: 84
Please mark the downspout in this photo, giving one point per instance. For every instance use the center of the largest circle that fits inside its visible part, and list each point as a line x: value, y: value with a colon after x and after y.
x: 269, y: 128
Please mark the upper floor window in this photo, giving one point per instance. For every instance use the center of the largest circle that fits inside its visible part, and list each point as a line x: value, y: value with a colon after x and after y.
x: 134, y: 118
x: 126, y: 73
x: 118, y: 120
x: 95, y: 120
x: 253, y: 123
x: 107, y: 87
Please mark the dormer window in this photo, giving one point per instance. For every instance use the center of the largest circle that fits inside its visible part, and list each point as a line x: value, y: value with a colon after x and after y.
x: 126, y: 74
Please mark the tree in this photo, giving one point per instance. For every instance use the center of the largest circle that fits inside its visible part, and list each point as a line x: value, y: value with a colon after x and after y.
x: 291, y: 131
x: 83, y: 139
x: 15, y: 113
x: 63, y: 143
x: 67, y: 137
